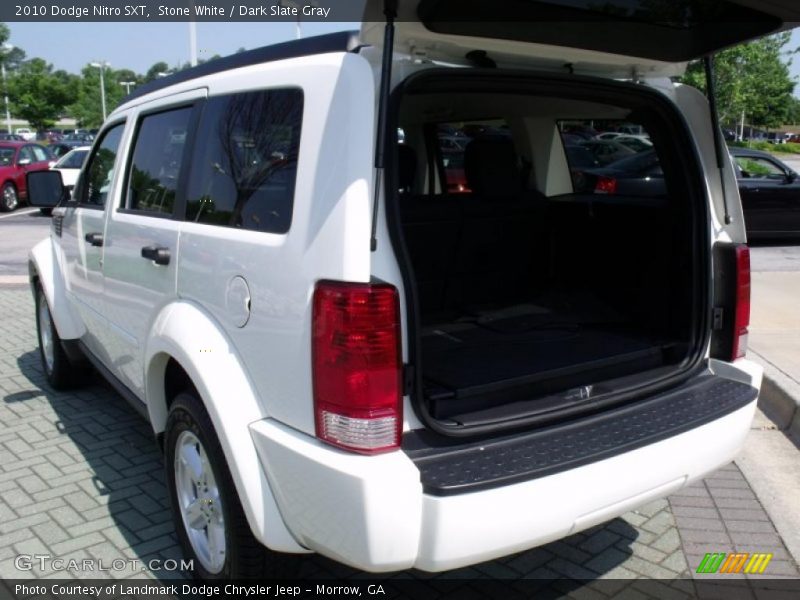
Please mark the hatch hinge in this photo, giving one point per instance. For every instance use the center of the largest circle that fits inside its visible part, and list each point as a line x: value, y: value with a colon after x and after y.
x: 717, y: 318
x: 418, y: 55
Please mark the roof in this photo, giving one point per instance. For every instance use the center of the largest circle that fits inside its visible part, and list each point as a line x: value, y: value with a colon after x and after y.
x: 341, y: 41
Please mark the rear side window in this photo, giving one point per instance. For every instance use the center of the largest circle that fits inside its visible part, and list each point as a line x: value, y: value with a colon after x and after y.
x: 245, y: 163
x: 156, y: 164
x: 758, y: 168
x: 100, y: 169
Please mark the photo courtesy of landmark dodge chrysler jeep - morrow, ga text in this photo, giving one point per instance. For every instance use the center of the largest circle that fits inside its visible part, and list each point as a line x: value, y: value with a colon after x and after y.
x: 342, y: 352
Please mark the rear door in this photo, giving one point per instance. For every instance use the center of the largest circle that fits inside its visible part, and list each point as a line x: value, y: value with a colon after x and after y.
x: 770, y: 195
x: 140, y: 262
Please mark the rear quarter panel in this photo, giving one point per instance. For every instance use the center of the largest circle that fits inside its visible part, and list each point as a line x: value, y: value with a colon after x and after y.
x: 328, y: 237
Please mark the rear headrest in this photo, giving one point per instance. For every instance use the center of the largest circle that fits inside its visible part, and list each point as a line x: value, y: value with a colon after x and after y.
x: 491, y: 167
x: 406, y: 167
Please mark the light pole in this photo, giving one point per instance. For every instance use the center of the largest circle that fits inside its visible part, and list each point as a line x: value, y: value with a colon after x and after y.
x: 127, y: 85
x: 102, y: 64
x: 298, y: 32
x: 7, y: 48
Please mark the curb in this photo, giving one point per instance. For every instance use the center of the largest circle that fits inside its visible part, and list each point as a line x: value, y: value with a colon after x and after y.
x: 779, y: 397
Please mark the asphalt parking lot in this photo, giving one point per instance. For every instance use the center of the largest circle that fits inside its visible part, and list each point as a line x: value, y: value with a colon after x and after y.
x: 81, y: 477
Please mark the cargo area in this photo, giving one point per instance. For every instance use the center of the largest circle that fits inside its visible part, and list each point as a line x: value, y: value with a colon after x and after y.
x: 548, y: 269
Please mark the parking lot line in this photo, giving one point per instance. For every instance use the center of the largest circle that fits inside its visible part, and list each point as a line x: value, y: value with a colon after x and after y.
x: 19, y: 213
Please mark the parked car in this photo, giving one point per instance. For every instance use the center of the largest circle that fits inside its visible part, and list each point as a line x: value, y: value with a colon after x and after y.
x: 336, y: 355
x: 26, y: 134
x: 11, y: 137
x: 770, y: 192
x: 17, y: 159
x: 69, y: 165
x: 609, y: 135
x: 635, y: 175
x: 637, y: 143
x: 607, y: 151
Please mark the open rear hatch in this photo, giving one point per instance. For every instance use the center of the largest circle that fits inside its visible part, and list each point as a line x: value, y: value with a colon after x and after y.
x: 615, y: 38
x: 562, y: 330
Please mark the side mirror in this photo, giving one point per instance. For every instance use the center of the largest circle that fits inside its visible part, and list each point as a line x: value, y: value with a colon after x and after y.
x: 23, y: 161
x: 45, y: 188
x: 791, y: 176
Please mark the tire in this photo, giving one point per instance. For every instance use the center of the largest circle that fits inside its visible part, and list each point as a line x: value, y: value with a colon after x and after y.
x: 60, y: 372
x: 9, y: 200
x: 208, y: 515
x: 47, y: 212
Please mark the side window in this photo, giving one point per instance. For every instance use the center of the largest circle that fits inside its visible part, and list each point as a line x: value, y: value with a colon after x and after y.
x: 245, y: 163
x: 757, y: 167
x: 25, y: 154
x: 100, y: 168
x: 40, y: 154
x: 156, y: 164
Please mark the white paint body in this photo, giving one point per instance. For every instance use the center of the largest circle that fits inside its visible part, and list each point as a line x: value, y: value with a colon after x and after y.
x: 299, y: 494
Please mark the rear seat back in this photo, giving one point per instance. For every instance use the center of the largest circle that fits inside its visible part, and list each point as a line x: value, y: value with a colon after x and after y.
x: 468, y: 250
x: 432, y: 226
x: 498, y: 239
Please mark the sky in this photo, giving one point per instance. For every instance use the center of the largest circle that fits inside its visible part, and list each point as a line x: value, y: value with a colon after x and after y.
x: 137, y: 46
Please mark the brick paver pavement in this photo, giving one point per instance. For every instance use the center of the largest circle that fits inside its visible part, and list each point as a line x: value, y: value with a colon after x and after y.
x: 80, y: 477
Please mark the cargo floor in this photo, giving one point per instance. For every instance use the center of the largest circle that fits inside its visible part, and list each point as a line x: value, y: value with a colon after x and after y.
x: 498, y: 357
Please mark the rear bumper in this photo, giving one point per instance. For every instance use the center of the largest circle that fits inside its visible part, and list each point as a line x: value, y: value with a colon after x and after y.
x: 372, y: 512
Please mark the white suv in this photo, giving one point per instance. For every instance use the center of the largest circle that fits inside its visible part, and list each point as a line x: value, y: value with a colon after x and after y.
x: 465, y: 352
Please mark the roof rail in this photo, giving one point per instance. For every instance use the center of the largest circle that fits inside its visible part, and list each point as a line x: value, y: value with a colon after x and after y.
x: 342, y: 41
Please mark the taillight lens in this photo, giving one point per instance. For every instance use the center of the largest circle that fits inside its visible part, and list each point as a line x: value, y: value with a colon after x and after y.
x: 357, y: 365
x: 742, y: 310
x: 605, y: 185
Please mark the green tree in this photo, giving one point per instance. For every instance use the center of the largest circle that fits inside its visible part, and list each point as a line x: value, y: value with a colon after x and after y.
x: 751, y: 78
x: 37, y: 94
x: 87, y: 106
x: 156, y: 70
x: 13, y: 58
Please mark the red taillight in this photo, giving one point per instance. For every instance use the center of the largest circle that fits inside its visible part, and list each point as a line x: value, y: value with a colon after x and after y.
x: 742, y: 310
x: 357, y: 365
x: 605, y: 185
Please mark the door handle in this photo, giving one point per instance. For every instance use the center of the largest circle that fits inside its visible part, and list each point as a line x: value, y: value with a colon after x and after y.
x: 157, y: 254
x: 95, y: 239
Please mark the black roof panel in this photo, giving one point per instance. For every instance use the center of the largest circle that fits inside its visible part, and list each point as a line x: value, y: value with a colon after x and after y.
x: 342, y: 41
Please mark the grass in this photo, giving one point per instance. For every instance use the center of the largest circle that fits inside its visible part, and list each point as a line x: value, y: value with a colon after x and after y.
x: 789, y: 148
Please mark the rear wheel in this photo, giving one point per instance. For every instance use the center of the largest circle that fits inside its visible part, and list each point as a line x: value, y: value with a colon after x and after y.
x: 9, y: 200
x: 207, y: 512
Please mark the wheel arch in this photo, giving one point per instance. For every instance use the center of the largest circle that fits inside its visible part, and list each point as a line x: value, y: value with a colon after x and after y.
x: 44, y: 269
x: 186, y: 346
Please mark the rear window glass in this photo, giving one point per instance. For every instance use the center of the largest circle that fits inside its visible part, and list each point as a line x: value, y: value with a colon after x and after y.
x: 612, y: 157
x: 245, y: 163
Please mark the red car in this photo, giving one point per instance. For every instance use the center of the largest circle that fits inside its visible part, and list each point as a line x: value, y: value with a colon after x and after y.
x: 17, y: 159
